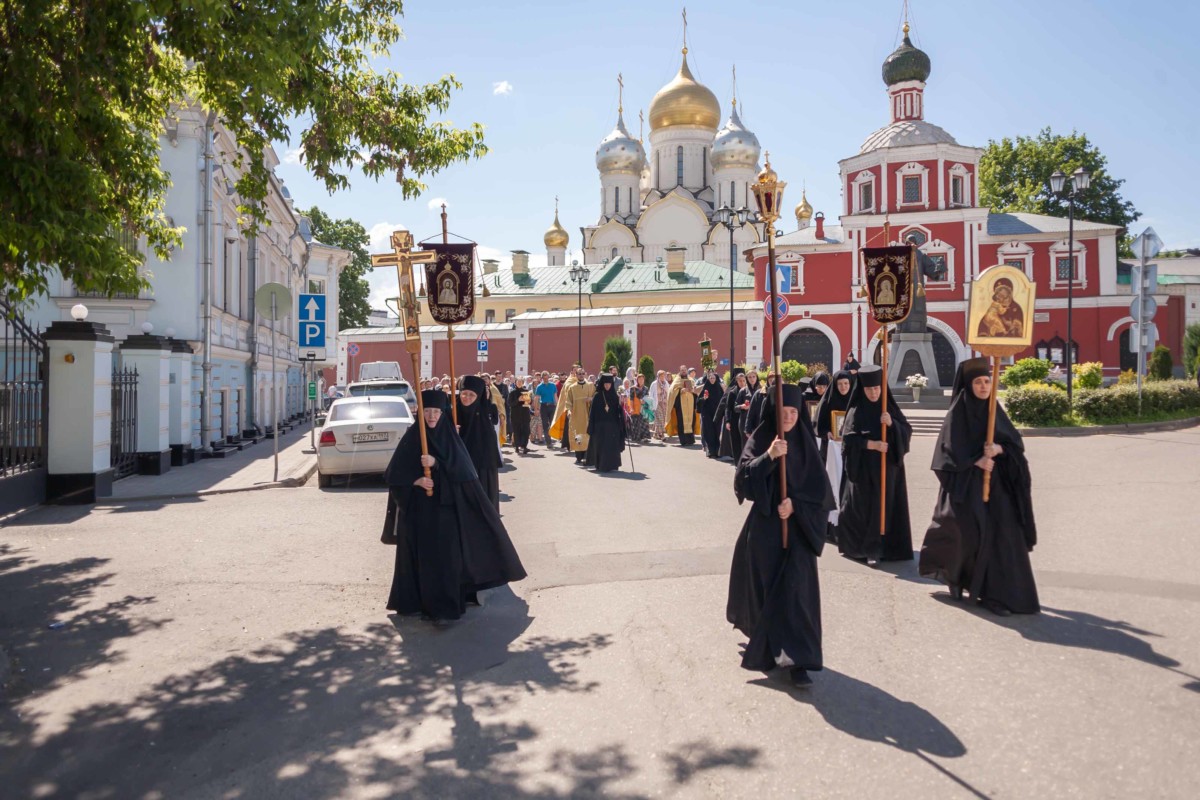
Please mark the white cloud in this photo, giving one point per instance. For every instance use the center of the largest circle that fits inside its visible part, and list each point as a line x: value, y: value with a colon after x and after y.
x: 381, y: 235
x: 294, y: 156
x: 502, y: 87
x: 436, y: 204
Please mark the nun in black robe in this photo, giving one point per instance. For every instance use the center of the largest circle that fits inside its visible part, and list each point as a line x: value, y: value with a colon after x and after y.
x: 606, y: 427
x: 730, y: 414
x: 519, y: 416
x: 451, y: 545
x: 858, y: 520
x: 852, y: 366
x: 981, y: 547
x: 833, y: 400
x: 774, y: 594
x: 476, y: 422
x: 711, y: 393
x: 756, y: 397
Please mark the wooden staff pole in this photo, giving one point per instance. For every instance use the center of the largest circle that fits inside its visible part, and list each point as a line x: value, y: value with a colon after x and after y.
x: 778, y: 372
x: 991, y: 428
x: 408, y: 308
x: 450, y: 338
x: 883, y: 431
x: 416, y: 358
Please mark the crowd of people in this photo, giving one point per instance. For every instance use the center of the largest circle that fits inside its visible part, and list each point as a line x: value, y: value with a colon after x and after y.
x: 827, y: 467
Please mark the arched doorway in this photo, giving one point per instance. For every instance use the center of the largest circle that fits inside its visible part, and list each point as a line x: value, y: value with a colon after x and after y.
x: 809, y: 346
x: 944, y: 356
x: 1128, y: 359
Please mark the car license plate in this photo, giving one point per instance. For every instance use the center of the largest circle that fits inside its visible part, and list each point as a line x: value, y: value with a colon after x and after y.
x: 359, y: 438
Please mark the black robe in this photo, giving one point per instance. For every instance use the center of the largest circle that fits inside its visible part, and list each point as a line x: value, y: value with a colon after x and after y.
x: 707, y: 402
x: 448, y: 546
x: 774, y: 594
x: 475, y: 424
x: 858, y: 523
x: 981, y: 547
x: 519, y: 416
x: 832, y: 401
x: 752, y: 415
x: 606, y: 429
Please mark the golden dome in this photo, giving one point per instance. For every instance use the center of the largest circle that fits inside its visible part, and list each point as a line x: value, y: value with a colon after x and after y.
x: 768, y: 174
x: 556, y: 234
x: 804, y: 211
x: 683, y: 101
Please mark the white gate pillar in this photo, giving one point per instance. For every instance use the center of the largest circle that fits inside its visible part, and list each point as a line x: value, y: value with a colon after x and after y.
x: 151, y: 356
x: 179, y: 398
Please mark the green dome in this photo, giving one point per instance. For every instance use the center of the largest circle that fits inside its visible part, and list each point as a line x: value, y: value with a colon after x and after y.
x: 906, y: 64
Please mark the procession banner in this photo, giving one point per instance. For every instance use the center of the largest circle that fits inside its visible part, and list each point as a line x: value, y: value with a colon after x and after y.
x: 1001, y: 316
x: 450, y: 282
x: 888, y: 282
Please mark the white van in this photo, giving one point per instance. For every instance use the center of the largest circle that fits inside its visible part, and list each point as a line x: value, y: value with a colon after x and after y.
x: 380, y: 371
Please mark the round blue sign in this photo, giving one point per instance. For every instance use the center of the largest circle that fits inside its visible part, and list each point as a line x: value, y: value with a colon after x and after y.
x: 781, y: 308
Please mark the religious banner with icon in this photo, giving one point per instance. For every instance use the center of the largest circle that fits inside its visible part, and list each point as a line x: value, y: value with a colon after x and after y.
x: 836, y: 420
x: 450, y: 282
x: 888, y: 282
x: 706, y: 353
x: 1001, y: 311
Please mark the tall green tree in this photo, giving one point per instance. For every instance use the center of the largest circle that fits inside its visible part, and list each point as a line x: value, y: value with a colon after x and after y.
x: 353, y: 290
x: 85, y: 87
x: 622, y: 350
x: 1014, y: 175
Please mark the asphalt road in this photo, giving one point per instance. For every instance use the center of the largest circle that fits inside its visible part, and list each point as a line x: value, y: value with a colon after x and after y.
x: 237, y: 647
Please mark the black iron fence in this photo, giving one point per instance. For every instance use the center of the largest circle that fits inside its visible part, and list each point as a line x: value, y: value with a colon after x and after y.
x: 23, y: 398
x: 124, y: 422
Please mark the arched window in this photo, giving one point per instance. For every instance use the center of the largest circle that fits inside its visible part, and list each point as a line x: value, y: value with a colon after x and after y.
x: 614, y: 253
x: 679, y: 166
x: 616, y: 199
x: 732, y: 194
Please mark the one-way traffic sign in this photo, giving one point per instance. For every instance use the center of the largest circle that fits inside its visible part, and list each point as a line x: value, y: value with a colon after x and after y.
x: 311, y: 336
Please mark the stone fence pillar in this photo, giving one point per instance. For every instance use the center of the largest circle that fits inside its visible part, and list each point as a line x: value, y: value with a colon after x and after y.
x: 151, y: 356
x: 179, y: 426
x: 79, y: 428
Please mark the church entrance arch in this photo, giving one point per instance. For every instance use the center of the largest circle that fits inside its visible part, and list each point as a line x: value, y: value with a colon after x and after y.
x: 809, y: 346
x: 1128, y: 359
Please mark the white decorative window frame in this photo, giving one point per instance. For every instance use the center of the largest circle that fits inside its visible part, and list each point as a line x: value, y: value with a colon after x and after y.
x: 936, y: 247
x: 796, y: 262
x: 909, y: 170
x: 866, y: 176
x: 921, y: 229
x: 964, y: 174
x: 1059, y: 250
x: 1011, y: 251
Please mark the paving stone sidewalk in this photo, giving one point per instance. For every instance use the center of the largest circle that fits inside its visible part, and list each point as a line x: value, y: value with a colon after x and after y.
x: 247, y: 470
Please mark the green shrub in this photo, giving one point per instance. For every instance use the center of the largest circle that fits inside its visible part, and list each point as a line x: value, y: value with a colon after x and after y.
x: 610, y: 360
x: 1120, y: 402
x: 622, y: 350
x: 1162, y: 366
x: 1036, y: 404
x: 820, y: 366
x: 792, y: 371
x: 1027, y: 370
x: 1191, y: 348
x: 646, y: 368
x: 1126, y: 377
x: 1089, y: 375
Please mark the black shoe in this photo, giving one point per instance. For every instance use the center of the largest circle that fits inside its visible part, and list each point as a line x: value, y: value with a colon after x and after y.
x: 956, y: 592
x: 997, y: 608
x: 800, y: 678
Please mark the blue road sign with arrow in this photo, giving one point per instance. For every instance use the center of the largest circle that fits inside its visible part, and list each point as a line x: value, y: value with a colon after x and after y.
x: 312, y: 321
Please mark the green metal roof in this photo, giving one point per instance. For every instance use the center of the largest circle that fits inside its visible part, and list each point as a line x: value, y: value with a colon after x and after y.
x: 616, y: 277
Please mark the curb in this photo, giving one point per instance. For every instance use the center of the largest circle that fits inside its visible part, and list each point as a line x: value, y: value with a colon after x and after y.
x: 1127, y: 427
x: 292, y: 482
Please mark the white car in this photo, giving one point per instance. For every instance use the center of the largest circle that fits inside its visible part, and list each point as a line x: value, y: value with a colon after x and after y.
x: 388, y: 388
x: 359, y: 436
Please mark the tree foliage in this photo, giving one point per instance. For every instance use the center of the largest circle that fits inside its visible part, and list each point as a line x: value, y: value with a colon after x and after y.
x: 353, y: 290
x: 1191, y: 347
x: 85, y: 88
x: 622, y: 349
x: 1162, y: 365
x: 646, y: 368
x: 1014, y: 175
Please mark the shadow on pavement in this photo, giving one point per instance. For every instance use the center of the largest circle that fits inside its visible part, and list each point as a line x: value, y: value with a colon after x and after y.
x: 392, y: 710
x: 869, y: 713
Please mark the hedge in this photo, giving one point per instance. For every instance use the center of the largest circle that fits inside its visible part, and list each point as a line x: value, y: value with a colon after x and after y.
x: 1036, y: 404
x: 1089, y: 375
x: 1027, y: 370
x: 1120, y: 401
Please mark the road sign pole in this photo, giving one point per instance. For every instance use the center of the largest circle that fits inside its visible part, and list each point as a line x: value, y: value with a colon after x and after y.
x: 1141, y: 326
x: 274, y: 391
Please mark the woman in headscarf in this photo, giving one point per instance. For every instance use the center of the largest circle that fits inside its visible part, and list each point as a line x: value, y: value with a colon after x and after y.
x: 837, y: 398
x: 858, y: 523
x: 707, y: 402
x: 475, y: 423
x: 520, y: 415
x: 817, y: 388
x: 639, y: 425
x: 981, y: 547
x: 755, y: 394
x: 450, y: 544
x: 774, y: 594
x: 606, y: 427
x: 729, y: 412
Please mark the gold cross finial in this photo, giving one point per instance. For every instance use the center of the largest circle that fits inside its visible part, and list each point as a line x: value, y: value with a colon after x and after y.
x: 641, y: 124
x: 735, y: 85
x: 620, y: 93
x: 556, y: 206
x: 685, y: 30
x: 906, y: 17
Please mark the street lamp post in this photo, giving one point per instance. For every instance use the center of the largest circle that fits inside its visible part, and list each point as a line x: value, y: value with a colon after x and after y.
x: 579, y: 275
x: 1080, y: 180
x: 732, y: 218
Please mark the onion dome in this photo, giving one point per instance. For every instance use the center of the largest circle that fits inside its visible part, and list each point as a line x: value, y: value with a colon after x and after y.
x: 734, y: 146
x: 684, y: 102
x: 620, y: 152
x: 556, y: 234
x: 804, y: 211
x: 907, y: 63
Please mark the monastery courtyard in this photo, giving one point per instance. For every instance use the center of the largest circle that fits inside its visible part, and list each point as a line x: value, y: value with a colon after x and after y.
x: 237, y: 646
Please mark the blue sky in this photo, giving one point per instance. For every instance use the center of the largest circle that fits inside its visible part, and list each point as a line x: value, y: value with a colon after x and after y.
x: 541, y: 77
